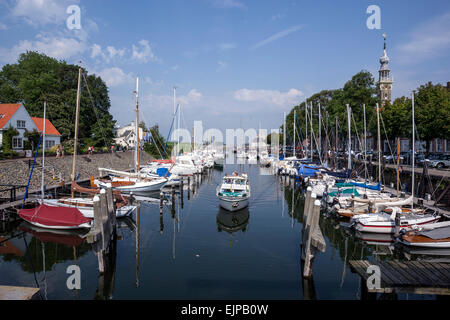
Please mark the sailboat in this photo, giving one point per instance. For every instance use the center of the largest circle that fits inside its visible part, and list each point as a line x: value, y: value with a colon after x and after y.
x: 52, y: 216
x: 133, y: 183
x: 383, y: 222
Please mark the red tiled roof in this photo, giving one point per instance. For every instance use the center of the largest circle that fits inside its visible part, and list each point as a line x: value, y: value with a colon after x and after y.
x: 6, y: 112
x: 49, y: 128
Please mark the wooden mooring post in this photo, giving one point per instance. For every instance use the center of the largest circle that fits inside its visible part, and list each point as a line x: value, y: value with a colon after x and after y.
x: 312, y: 238
x: 104, y: 229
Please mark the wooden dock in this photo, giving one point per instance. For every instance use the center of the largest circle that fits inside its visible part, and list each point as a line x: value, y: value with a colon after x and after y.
x: 312, y: 237
x: 18, y: 293
x: 406, y: 277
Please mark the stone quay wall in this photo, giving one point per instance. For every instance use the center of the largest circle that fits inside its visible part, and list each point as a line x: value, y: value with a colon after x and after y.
x: 58, y: 170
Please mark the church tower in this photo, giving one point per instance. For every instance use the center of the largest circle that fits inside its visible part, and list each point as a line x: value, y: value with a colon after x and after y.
x: 385, y: 81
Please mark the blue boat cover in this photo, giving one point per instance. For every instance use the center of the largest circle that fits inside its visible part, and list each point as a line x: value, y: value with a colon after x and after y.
x: 363, y: 185
x: 162, y: 172
x: 306, y: 171
x: 340, y: 174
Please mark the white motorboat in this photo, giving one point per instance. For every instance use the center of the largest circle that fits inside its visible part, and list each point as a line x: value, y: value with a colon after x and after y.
x: 86, y: 206
x: 434, y: 235
x: 132, y: 184
x: 234, y: 192
x: 382, y: 222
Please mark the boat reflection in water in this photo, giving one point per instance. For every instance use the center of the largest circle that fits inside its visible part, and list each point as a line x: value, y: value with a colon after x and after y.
x: 73, y: 238
x: 232, y: 222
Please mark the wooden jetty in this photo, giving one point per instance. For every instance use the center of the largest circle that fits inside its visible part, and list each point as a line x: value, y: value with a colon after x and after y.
x: 103, y: 233
x: 405, y: 277
x: 18, y: 293
x: 312, y: 237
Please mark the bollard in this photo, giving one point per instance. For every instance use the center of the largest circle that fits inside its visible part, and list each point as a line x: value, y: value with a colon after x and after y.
x: 182, y: 192
x: 173, y: 200
x: 397, y: 224
x: 307, y: 200
x: 308, y: 252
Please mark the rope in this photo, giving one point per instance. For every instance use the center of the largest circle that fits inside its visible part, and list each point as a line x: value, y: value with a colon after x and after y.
x: 98, y: 119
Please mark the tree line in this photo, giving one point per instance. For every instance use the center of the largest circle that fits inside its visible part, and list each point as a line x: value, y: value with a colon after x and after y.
x: 432, y: 112
x: 36, y: 77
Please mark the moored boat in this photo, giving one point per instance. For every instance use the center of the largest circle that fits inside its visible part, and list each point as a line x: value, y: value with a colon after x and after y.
x: 234, y: 192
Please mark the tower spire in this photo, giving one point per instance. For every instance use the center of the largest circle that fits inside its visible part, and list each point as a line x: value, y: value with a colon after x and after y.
x: 385, y: 81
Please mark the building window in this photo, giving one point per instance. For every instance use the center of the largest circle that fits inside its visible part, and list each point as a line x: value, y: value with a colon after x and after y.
x: 49, y: 144
x: 21, y: 124
x: 439, y: 145
x: 17, y: 143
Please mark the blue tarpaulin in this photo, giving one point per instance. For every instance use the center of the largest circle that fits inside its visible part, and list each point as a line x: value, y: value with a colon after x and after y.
x: 363, y: 185
x: 162, y: 172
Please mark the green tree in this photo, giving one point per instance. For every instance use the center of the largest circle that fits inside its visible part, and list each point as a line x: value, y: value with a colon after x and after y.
x: 36, y: 76
x: 7, y: 145
x: 397, y: 119
x: 33, y: 138
x: 432, y: 112
x: 157, y: 147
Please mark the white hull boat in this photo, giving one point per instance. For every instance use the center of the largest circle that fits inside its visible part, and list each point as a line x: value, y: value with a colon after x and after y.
x: 234, y: 192
x: 86, y: 206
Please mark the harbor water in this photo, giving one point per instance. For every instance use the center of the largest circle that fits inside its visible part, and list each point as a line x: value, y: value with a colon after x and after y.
x: 199, y: 251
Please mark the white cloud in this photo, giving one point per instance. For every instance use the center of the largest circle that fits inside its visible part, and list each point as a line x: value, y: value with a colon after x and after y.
x: 145, y: 53
x: 113, y: 52
x: 269, y: 97
x: 56, y: 47
x: 106, y: 55
x: 115, y: 76
x: 226, y: 46
x: 228, y: 4
x: 97, y: 51
x: 429, y: 40
x: 165, y: 102
x: 278, y: 16
x: 41, y: 12
x: 222, y: 66
x: 277, y: 36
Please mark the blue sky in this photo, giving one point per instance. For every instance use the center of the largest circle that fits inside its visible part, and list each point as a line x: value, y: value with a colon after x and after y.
x: 235, y: 62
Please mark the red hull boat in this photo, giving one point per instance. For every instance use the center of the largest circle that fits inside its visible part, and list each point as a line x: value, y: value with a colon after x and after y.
x: 50, y: 217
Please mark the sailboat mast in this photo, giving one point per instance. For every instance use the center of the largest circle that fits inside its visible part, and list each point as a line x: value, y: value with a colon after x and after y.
x: 319, y: 147
x: 137, y: 127
x: 365, y: 143
x: 179, y: 118
x: 174, y: 111
x: 295, y: 114
x: 413, y: 149
x: 349, y: 165
x: 398, y: 166
x: 336, y: 145
x: 306, y: 127
x: 379, y: 144
x: 43, y: 150
x: 326, y: 138
x: 77, y: 115
x: 284, y: 136
x: 310, y: 121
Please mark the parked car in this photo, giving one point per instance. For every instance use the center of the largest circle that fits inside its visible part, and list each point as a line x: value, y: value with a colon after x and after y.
x: 431, y: 156
x: 443, y: 161
x: 393, y: 158
x: 360, y: 155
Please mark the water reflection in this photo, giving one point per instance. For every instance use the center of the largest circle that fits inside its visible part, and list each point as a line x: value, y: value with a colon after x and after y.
x: 233, y: 222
